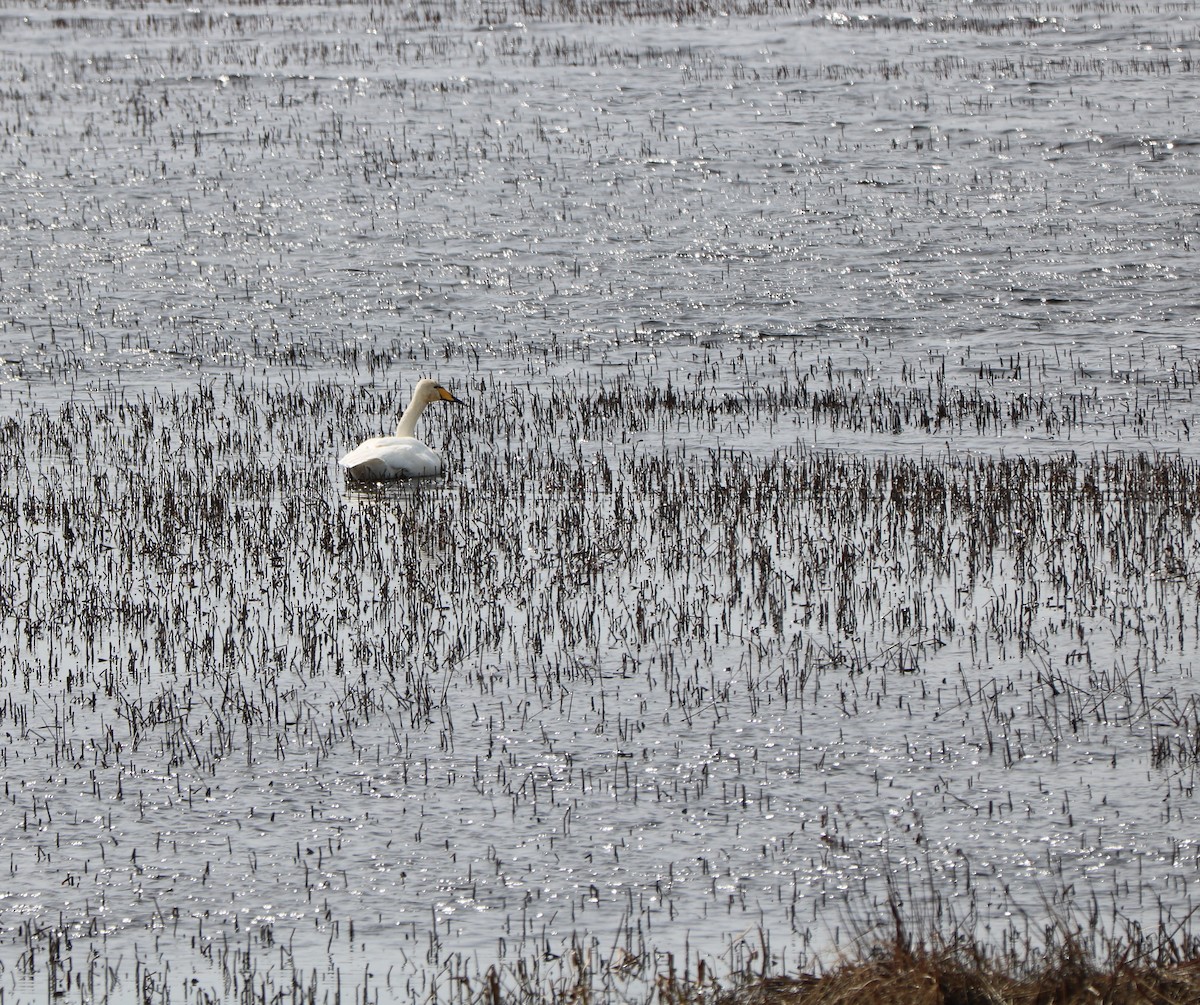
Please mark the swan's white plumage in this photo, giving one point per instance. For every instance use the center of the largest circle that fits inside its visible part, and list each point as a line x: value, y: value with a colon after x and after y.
x: 383, y: 458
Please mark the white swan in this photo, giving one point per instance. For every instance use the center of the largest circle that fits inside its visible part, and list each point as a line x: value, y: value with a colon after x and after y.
x: 401, y: 456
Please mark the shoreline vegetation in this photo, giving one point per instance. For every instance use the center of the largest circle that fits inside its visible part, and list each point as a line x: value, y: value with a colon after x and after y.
x: 899, y: 976
x: 906, y: 959
x: 1073, y: 966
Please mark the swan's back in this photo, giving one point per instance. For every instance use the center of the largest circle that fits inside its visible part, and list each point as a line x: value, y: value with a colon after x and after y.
x: 384, y: 458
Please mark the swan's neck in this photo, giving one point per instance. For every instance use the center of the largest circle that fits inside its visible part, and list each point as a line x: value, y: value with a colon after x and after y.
x: 407, y: 427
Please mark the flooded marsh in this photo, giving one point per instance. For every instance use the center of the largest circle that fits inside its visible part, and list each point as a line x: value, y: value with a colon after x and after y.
x: 820, y: 537
x: 653, y: 694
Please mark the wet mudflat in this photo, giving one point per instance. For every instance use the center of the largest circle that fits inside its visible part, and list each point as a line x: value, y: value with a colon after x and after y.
x: 821, y: 534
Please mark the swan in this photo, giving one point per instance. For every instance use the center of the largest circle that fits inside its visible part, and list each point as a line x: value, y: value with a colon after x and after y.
x: 401, y: 456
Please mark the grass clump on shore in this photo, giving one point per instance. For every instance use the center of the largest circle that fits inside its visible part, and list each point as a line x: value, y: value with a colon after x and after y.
x: 1067, y: 972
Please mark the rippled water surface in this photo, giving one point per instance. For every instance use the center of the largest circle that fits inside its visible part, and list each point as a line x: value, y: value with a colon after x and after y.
x: 822, y: 528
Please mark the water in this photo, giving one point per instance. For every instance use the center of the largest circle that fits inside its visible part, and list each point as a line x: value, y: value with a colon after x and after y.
x: 737, y: 613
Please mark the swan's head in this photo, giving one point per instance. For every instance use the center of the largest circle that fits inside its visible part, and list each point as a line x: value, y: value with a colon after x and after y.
x: 430, y: 390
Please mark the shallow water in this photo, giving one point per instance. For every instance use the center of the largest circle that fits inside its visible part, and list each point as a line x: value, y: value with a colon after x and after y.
x: 821, y: 528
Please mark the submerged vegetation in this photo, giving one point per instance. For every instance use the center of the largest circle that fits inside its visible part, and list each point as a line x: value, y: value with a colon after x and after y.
x: 815, y: 585
x: 195, y: 606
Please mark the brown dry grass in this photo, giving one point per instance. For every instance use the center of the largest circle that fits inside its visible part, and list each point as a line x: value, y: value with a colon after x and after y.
x: 899, y: 976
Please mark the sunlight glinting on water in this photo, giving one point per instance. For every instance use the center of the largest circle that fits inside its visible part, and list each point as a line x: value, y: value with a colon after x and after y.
x: 820, y: 534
